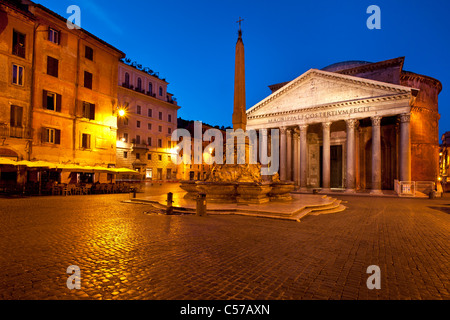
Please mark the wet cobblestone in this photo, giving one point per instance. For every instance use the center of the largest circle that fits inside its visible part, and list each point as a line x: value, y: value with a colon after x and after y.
x: 125, y: 251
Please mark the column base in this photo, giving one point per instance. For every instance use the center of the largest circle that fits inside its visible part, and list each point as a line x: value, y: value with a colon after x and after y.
x: 350, y: 191
x: 325, y: 190
x: 376, y: 192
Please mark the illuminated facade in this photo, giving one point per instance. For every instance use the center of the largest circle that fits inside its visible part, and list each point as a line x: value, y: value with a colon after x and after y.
x: 16, y: 61
x: 198, y: 168
x: 145, y: 129
x: 354, y: 125
x: 61, y: 93
x: 444, y: 161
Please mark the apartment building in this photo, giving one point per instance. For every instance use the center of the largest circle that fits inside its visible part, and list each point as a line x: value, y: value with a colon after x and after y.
x: 149, y: 117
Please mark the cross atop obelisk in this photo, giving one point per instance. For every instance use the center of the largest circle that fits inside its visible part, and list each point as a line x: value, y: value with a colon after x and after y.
x: 239, y: 21
x: 239, y: 113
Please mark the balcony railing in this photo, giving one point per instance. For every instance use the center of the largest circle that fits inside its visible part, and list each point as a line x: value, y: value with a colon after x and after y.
x: 6, y: 131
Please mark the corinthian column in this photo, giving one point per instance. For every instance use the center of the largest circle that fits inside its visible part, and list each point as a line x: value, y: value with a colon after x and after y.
x: 303, y: 156
x: 326, y: 157
x: 376, y: 155
x: 283, y: 153
x: 351, y: 160
x: 296, y: 177
x: 405, y: 147
x: 264, y: 150
x: 289, y: 154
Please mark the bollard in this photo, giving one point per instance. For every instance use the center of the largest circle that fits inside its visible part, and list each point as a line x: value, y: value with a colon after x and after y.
x: 169, y: 209
x: 201, y: 204
x: 133, y: 190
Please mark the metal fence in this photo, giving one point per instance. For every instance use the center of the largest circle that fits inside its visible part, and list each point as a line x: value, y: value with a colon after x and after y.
x: 412, y: 188
x: 405, y: 188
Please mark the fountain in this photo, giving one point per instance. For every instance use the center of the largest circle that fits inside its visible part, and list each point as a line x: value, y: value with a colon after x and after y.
x: 239, y: 183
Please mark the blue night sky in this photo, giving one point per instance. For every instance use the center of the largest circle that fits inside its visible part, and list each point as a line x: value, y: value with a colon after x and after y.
x: 192, y: 43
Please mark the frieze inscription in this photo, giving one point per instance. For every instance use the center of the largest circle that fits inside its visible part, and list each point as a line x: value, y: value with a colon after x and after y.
x: 321, y: 114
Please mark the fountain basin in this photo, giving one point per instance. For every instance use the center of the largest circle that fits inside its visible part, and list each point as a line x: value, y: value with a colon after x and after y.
x: 239, y: 192
x: 218, y: 192
x: 253, y: 193
x: 281, y: 191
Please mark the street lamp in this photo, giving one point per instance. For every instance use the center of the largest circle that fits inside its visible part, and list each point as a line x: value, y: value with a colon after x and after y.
x: 122, y: 112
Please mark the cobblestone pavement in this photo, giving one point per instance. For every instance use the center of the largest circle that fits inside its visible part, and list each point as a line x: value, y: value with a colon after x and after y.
x: 125, y: 251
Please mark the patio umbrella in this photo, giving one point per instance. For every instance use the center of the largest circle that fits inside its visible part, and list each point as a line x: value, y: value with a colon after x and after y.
x: 37, y: 164
x: 8, y: 162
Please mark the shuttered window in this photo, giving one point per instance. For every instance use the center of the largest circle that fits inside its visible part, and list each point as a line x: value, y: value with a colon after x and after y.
x: 89, y: 53
x: 51, y: 135
x: 86, y: 141
x: 88, y: 80
x: 51, y: 101
x: 52, y: 66
x: 89, y: 110
x: 16, y: 116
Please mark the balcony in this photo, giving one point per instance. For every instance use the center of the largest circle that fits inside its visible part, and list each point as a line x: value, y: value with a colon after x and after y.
x: 139, y: 145
x: 6, y: 131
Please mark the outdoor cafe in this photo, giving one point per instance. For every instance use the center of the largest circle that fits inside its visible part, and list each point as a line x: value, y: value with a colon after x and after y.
x: 46, y: 178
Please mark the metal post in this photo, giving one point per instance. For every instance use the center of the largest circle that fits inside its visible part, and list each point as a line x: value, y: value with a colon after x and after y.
x: 169, y: 209
x: 201, y: 205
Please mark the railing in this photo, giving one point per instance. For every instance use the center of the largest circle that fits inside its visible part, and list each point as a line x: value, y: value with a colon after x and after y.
x: 425, y: 186
x: 6, y: 131
x: 405, y: 188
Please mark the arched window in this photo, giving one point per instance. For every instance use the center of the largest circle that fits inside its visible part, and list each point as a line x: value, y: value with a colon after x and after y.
x: 127, y: 79
x: 150, y: 88
x: 160, y: 91
x: 139, y: 84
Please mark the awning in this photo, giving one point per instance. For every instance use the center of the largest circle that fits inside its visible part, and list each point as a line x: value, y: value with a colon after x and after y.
x: 36, y: 164
x: 64, y: 167
x: 124, y: 170
x: 7, y: 162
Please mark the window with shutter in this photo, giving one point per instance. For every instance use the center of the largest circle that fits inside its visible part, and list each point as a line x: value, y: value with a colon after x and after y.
x: 52, y: 66
x: 86, y: 141
x: 53, y: 36
x: 89, y: 53
x: 50, y: 135
x: 16, y: 115
x: 88, y: 110
x: 18, y: 47
x: 88, y: 80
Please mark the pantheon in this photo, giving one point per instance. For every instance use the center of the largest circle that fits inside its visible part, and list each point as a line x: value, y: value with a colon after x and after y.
x: 354, y: 125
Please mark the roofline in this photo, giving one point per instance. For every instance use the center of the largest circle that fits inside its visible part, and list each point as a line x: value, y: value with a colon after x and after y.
x: 81, y: 29
x: 143, y: 72
x: 399, y: 60
x: 18, y: 9
x: 431, y: 79
x: 330, y: 74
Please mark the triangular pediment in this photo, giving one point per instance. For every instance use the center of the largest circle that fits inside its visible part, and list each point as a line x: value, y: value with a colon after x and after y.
x: 318, y: 88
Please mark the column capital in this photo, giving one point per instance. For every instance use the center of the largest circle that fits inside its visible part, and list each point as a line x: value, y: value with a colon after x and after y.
x: 352, y: 123
x: 404, y: 117
x: 326, y: 125
x: 283, y: 130
x: 303, y: 127
x: 376, y: 121
x: 289, y: 131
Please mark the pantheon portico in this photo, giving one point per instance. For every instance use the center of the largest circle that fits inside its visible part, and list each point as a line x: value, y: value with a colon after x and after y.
x: 343, y: 131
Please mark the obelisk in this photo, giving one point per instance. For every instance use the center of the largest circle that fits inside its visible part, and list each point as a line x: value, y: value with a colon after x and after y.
x: 239, y: 111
